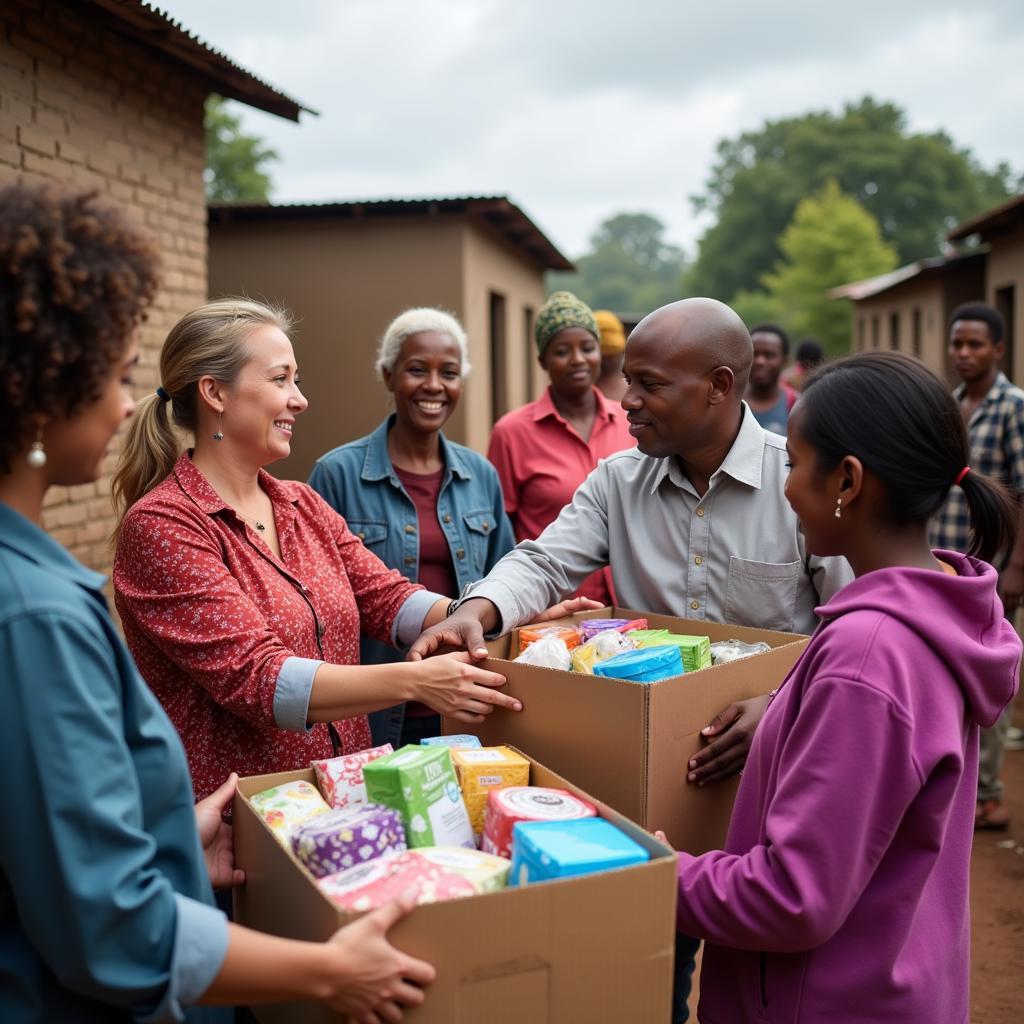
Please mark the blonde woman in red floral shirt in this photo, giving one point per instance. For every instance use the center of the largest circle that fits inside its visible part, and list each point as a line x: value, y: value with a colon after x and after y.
x: 242, y: 596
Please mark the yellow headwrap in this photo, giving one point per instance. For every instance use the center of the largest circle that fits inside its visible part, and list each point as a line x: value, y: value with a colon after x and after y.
x: 613, y: 334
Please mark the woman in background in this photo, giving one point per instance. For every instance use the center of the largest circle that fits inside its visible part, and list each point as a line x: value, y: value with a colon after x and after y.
x: 546, y: 449
x: 428, y: 507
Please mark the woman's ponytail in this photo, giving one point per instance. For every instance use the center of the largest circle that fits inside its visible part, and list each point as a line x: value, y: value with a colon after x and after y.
x: 994, y: 516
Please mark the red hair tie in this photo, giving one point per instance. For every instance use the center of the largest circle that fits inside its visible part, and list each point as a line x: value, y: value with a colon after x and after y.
x: 960, y: 476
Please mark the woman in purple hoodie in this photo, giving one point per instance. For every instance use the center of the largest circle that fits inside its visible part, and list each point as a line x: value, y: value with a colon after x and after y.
x: 842, y: 891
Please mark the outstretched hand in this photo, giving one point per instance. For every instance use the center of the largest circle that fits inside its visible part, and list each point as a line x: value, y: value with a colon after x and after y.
x: 730, y: 734
x: 216, y: 837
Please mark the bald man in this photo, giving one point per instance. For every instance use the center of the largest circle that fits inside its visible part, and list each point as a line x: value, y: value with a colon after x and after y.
x: 693, y: 523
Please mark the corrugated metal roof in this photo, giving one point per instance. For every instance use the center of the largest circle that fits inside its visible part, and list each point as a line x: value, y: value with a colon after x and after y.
x: 871, y: 286
x: 156, y: 28
x: 499, y: 212
x: 995, y: 221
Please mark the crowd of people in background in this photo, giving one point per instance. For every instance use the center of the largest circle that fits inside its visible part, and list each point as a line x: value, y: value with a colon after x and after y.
x: 688, y: 468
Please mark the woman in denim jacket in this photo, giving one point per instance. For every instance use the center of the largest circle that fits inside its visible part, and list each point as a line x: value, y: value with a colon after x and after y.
x: 426, y: 506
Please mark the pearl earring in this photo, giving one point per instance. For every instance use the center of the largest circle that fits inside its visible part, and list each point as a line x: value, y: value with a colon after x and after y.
x: 36, y: 456
x: 219, y: 436
x: 839, y: 508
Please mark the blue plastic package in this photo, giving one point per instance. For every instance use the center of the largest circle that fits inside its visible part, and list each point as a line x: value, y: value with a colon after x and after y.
x: 646, y: 665
x: 461, y: 740
x: 545, y: 850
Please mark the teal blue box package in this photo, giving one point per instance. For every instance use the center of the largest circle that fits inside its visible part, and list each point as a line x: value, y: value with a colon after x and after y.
x: 461, y: 740
x: 545, y: 850
x: 647, y: 665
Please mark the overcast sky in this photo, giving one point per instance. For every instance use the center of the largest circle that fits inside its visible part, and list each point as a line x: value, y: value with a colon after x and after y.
x: 577, y: 109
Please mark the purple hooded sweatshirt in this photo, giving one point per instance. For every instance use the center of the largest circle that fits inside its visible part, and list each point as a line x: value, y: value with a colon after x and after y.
x: 842, y: 892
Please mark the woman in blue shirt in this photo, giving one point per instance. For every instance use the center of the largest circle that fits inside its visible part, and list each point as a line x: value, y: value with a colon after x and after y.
x: 424, y: 505
x: 106, y: 903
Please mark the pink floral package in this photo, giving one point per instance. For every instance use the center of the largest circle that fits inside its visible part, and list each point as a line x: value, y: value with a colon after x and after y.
x: 341, y: 778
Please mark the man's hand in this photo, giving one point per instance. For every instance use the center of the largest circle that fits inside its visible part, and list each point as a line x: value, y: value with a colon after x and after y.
x: 1011, y: 588
x: 570, y: 607
x: 731, y: 732
x: 215, y: 835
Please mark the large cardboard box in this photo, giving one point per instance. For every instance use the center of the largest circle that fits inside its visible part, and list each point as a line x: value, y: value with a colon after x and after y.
x: 595, y: 949
x: 629, y: 743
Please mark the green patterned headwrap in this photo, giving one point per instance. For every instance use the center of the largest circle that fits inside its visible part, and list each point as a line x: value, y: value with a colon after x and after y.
x: 562, y: 310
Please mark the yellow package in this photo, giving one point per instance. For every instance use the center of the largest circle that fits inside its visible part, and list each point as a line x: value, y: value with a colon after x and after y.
x: 583, y: 659
x: 480, y: 771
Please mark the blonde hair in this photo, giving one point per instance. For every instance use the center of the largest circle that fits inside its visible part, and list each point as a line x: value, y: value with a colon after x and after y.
x: 414, y: 321
x: 209, y: 341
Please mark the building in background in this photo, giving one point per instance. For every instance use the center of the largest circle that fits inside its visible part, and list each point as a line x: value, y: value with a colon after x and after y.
x: 109, y: 94
x: 908, y: 309
x: 346, y: 269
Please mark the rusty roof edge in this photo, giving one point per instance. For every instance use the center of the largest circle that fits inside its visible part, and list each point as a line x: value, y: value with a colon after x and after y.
x: 154, y: 27
x: 977, y: 224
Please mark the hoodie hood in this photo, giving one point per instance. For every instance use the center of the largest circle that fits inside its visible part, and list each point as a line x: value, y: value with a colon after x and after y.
x: 960, y: 617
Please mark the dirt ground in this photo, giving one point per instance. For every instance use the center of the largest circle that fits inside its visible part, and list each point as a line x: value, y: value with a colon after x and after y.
x: 997, y: 909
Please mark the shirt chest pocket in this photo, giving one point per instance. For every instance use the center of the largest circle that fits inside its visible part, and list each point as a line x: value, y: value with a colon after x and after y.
x: 478, y: 529
x: 762, y: 594
x: 372, y: 532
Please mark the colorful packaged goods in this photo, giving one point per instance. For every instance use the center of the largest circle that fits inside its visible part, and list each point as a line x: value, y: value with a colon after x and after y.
x: 548, y: 652
x: 420, y: 783
x: 648, y: 637
x: 370, y: 885
x: 486, y: 872
x: 545, y: 850
x: 647, y: 665
x: 601, y: 646
x: 531, y: 634
x: 463, y: 741
x: 481, y: 771
x: 695, y: 650
x: 340, y: 839
x: 341, y: 778
x: 589, y: 628
x: 508, y: 807
x: 734, y: 650
x: 287, y: 806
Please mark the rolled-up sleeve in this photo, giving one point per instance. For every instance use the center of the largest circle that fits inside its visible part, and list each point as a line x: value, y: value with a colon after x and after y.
x: 292, y: 692
x: 79, y: 864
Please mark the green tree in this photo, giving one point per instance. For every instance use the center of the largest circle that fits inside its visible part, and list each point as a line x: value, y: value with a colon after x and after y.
x: 235, y: 162
x: 630, y: 268
x: 831, y: 240
x: 916, y: 185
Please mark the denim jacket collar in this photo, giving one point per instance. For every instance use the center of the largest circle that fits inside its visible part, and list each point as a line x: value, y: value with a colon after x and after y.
x: 377, y: 463
x: 32, y: 542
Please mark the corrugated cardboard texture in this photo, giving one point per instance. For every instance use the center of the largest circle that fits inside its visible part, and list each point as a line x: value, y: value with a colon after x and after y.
x: 629, y: 743
x: 595, y: 949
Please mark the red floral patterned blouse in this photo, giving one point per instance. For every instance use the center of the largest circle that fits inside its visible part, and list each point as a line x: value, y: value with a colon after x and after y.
x: 211, y: 615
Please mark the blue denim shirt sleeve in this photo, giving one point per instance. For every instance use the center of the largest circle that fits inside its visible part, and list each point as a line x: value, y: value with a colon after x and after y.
x: 503, y: 540
x: 79, y: 852
x: 292, y: 693
x: 200, y: 946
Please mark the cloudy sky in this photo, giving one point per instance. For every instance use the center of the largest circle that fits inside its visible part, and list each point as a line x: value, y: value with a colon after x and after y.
x: 577, y: 109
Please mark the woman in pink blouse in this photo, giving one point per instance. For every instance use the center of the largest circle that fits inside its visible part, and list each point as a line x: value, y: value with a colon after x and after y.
x: 242, y: 596
x: 546, y: 449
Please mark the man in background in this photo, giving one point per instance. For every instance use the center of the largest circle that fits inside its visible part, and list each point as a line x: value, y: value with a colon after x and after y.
x: 769, y: 400
x: 993, y: 410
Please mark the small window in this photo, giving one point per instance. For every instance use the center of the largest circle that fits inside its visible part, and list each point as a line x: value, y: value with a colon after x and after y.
x: 894, y: 331
x: 876, y: 331
x: 915, y: 332
x: 860, y: 334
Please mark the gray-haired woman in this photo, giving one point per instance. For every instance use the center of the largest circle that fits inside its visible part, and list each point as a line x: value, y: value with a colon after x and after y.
x: 424, y: 505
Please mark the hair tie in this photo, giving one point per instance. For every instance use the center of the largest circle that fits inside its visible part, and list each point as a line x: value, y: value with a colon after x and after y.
x: 162, y: 395
x: 960, y: 476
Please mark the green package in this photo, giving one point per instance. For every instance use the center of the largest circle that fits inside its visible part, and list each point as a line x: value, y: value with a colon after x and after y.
x: 420, y: 783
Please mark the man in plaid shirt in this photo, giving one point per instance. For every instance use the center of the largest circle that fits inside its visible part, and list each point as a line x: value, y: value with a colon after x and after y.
x: 993, y: 410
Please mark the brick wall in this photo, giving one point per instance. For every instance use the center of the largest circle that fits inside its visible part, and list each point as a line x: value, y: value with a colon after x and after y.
x: 84, y: 105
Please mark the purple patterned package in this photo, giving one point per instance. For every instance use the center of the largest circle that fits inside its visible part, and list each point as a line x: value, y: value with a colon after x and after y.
x: 348, y: 836
x: 589, y: 628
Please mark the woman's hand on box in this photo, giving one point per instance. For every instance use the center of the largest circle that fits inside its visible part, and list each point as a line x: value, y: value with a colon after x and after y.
x: 373, y: 979
x: 452, y: 685
x: 730, y: 733
x: 215, y: 835
x: 570, y: 607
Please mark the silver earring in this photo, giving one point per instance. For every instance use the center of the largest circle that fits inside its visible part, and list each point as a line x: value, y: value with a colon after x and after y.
x: 36, y: 456
x: 219, y: 436
x: 839, y: 508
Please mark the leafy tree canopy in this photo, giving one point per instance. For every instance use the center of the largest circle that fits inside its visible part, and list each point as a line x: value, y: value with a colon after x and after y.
x: 831, y: 240
x: 235, y: 162
x: 916, y: 185
x: 630, y: 268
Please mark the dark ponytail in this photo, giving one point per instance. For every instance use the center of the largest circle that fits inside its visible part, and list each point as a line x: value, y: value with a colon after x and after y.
x: 900, y: 420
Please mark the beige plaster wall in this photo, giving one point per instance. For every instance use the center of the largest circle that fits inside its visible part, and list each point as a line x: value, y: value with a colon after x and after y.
x: 1006, y: 269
